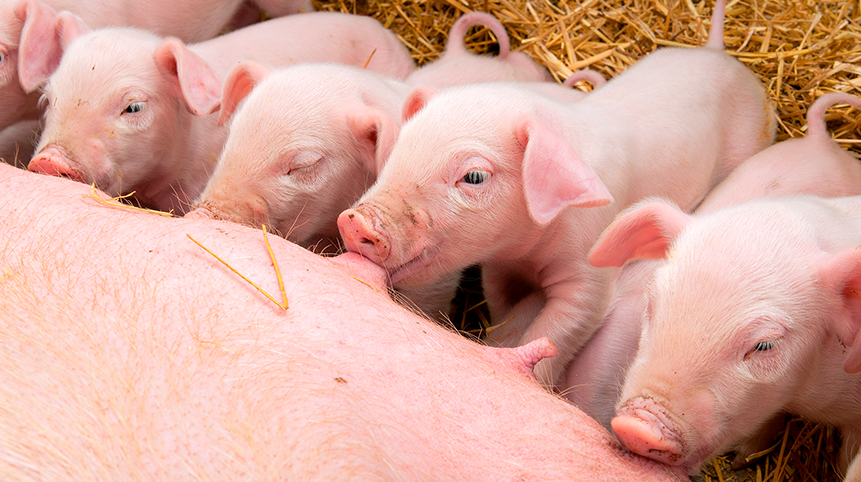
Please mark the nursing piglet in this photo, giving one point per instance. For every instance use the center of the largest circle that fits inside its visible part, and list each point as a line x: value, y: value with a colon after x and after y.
x: 650, y: 405
x: 500, y: 176
x: 132, y: 112
x: 304, y: 145
x: 458, y: 66
x: 754, y: 312
x: 814, y: 165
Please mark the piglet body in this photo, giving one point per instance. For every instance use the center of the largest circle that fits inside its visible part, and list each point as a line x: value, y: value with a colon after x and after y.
x: 754, y: 313
x: 131, y: 111
x: 523, y: 185
x: 457, y: 66
x: 651, y: 418
x: 814, y: 164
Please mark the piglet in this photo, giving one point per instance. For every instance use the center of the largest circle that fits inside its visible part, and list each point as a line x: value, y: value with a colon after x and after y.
x: 189, y: 20
x: 133, y: 112
x: 683, y: 413
x: 305, y: 144
x: 500, y: 176
x: 811, y: 165
x: 754, y: 312
x: 458, y: 66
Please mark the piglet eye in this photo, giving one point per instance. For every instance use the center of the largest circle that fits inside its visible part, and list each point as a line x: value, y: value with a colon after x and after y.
x: 134, y: 107
x: 765, y: 345
x: 2, y: 57
x: 476, y: 177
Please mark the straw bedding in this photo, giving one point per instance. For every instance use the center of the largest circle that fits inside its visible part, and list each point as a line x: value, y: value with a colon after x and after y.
x: 800, y: 50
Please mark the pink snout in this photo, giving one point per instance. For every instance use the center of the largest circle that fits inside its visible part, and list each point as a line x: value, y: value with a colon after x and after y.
x: 53, y: 161
x: 362, y: 233
x: 645, y: 428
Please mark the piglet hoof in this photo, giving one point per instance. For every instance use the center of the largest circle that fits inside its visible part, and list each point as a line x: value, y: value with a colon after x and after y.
x: 644, y: 428
x: 525, y: 357
x: 363, y: 270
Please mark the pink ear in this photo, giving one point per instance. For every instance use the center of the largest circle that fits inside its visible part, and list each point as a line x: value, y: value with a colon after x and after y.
x: 44, y: 37
x: 416, y: 101
x: 645, y: 230
x: 375, y: 129
x: 841, y: 273
x: 239, y: 83
x: 201, y: 89
x: 554, y: 176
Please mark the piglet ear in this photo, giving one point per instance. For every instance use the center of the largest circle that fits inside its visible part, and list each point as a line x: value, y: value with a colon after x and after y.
x: 45, y: 35
x: 554, y: 176
x: 374, y: 129
x: 200, y: 88
x: 239, y: 83
x: 416, y: 101
x: 841, y: 274
x: 645, y: 230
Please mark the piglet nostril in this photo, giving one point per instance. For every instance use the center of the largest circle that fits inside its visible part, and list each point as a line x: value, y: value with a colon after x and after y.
x: 366, y: 241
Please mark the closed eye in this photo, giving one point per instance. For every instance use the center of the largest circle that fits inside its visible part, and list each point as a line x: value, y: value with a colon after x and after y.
x: 762, y: 347
x: 765, y: 345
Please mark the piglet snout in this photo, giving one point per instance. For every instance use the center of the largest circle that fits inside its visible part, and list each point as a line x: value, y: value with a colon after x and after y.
x: 645, y: 428
x: 53, y: 161
x: 362, y: 233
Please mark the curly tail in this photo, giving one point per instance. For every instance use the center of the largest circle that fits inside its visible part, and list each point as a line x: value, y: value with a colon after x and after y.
x: 458, y: 31
x: 589, y: 75
x: 816, y: 114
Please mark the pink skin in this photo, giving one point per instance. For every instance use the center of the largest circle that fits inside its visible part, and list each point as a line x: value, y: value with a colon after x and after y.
x: 768, y: 291
x: 134, y: 112
x: 458, y: 66
x: 185, y: 371
x: 496, y: 175
x: 189, y: 20
x: 814, y: 165
x: 304, y: 145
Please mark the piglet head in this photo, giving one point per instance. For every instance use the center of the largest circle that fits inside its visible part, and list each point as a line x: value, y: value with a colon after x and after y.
x: 115, y: 108
x: 303, y: 139
x: 466, y: 181
x: 732, y: 327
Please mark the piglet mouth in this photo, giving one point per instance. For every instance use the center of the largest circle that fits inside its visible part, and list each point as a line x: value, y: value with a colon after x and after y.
x: 412, y: 266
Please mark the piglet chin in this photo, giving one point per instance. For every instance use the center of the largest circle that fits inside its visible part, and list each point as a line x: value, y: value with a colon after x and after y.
x: 412, y: 266
x: 644, y: 428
